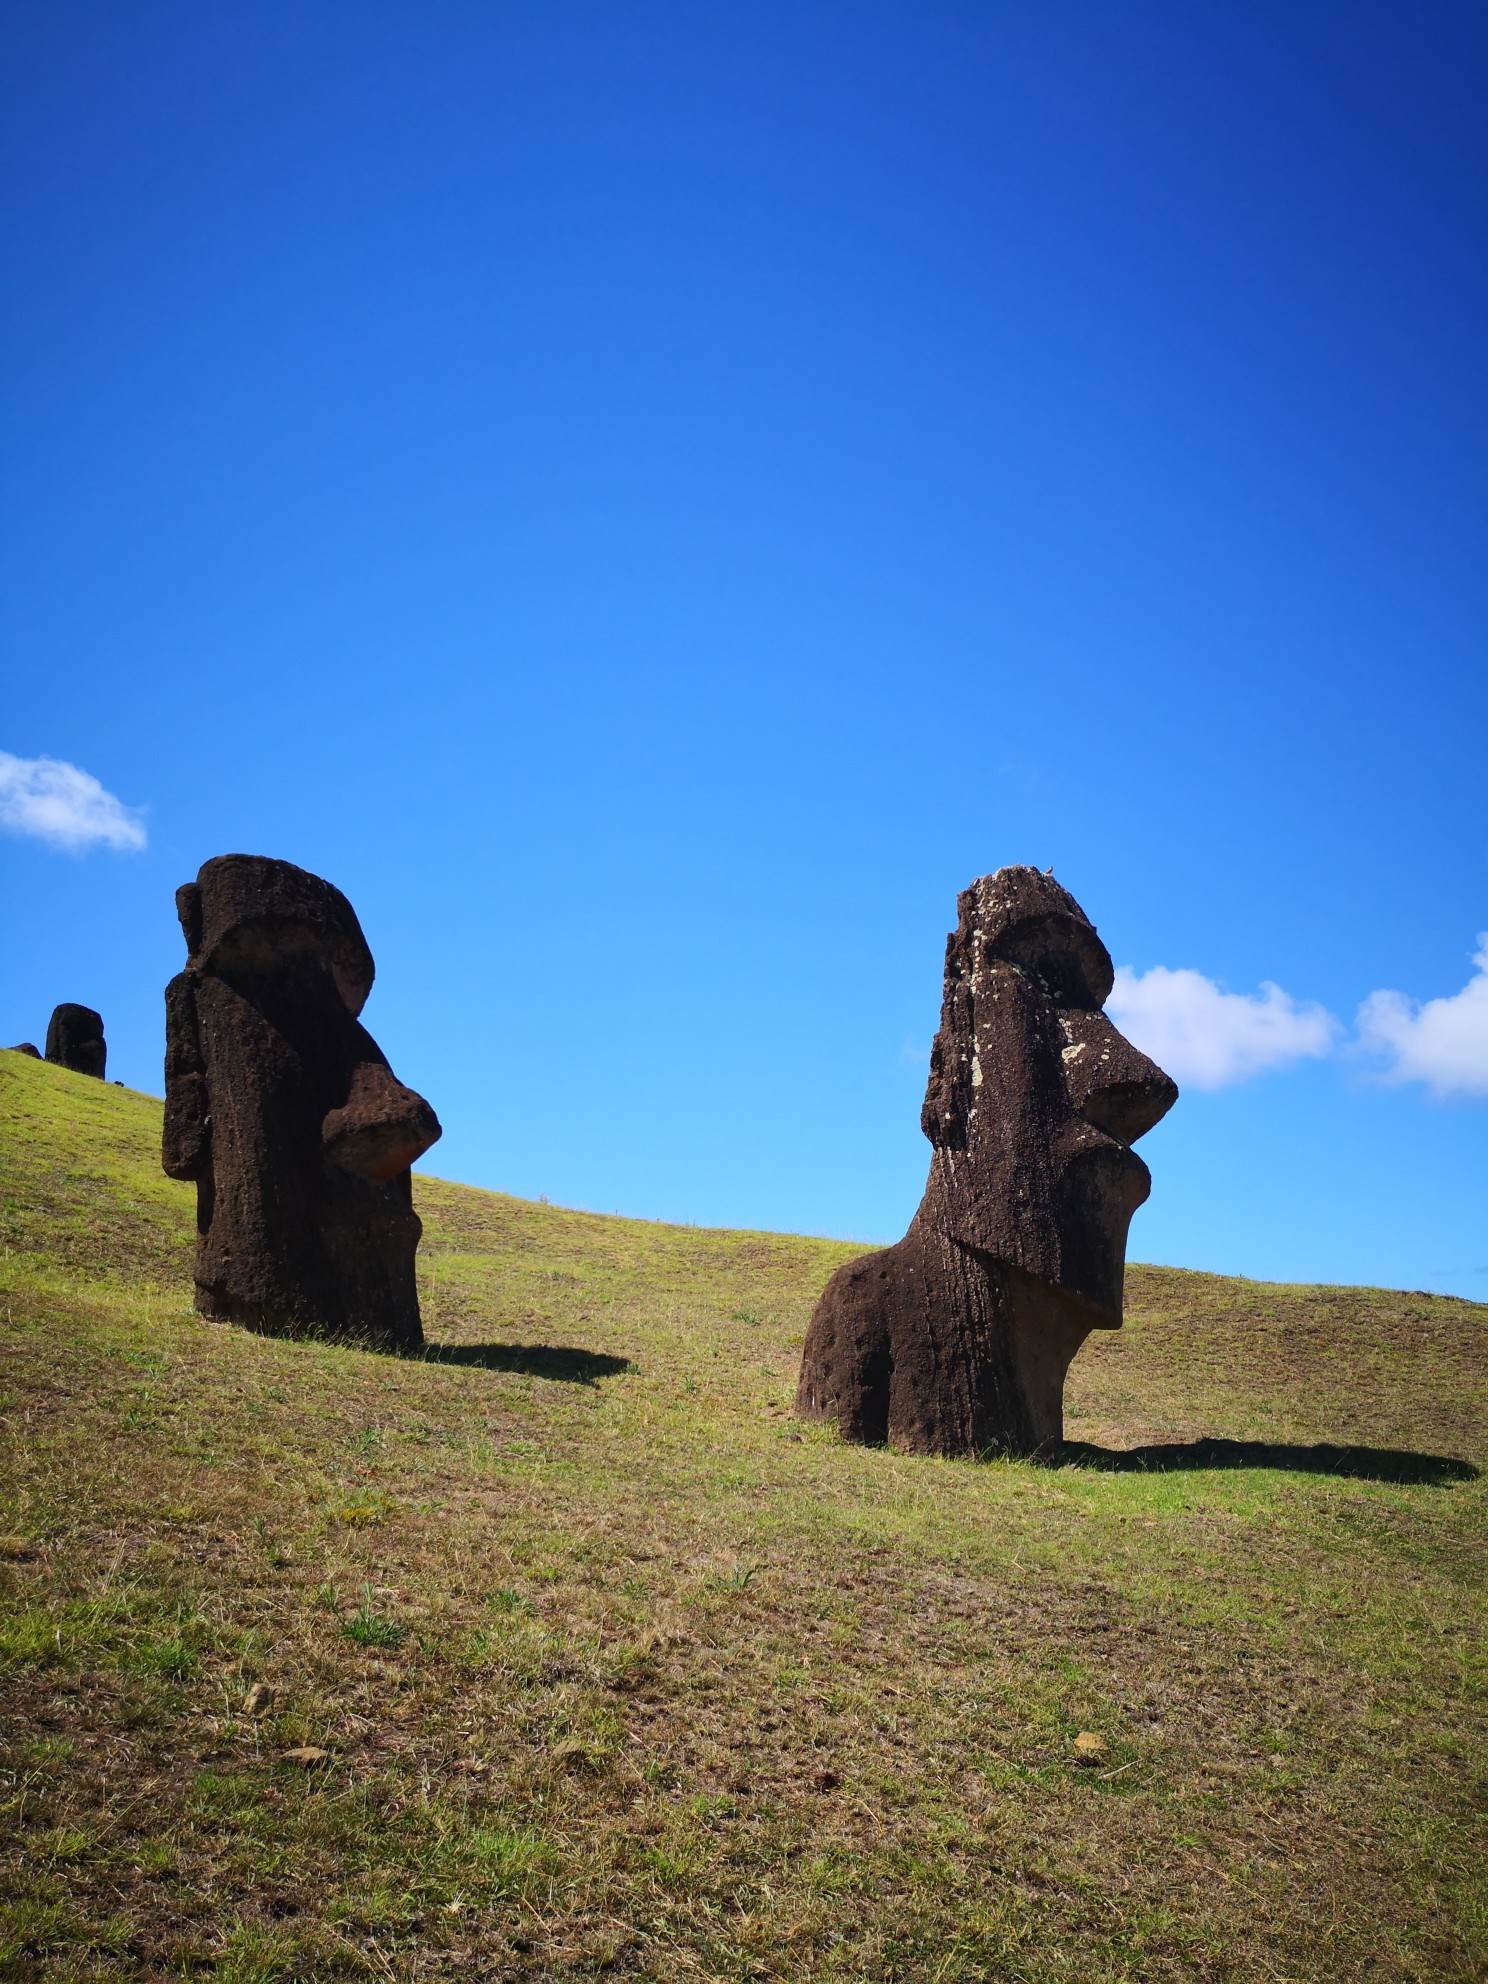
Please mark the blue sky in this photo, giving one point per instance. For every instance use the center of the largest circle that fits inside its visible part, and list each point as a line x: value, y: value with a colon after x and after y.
x: 652, y: 500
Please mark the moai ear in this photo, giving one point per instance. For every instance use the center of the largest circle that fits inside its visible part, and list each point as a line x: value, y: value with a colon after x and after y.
x: 189, y: 910
x: 948, y: 1092
x: 943, y: 1112
x: 185, y: 1149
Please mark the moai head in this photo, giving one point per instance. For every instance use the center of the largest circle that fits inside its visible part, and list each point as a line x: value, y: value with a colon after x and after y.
x: 1034, y: 1098
x: 75, y: 1040
x: 285, y: 1112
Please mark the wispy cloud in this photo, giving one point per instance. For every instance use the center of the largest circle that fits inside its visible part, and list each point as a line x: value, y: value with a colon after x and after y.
x: 1207, y: 1038
x: 53, y: 801
x: 1443, y: 1043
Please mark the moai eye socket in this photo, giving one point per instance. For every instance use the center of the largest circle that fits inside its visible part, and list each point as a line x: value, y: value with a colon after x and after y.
x: 1065, y: 956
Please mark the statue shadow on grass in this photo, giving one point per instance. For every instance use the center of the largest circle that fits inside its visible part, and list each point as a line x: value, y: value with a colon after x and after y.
x: 1350, y: 1463
x: 561, y: 1362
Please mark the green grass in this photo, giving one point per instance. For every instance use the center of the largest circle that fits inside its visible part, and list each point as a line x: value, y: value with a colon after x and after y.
x: 622, y: 1672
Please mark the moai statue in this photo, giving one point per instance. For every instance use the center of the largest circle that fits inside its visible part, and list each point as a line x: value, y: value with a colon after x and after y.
x: 285, y: 1113
x: 26, y: 1047
x: 957, y: 1339
x: 75, y: 1040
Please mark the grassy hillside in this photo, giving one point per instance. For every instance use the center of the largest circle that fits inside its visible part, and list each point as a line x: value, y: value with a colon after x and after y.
x: 598, y: 1664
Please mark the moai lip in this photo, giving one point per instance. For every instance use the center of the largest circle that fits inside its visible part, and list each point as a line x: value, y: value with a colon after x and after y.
x: 957, y: 1339
x: 283, y: 1110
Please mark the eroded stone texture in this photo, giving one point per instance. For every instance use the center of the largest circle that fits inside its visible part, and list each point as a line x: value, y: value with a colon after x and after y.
x: 957, y: 1339
x: 75, y: 1040
x: 284, y: 1111
x: 27, y: 1047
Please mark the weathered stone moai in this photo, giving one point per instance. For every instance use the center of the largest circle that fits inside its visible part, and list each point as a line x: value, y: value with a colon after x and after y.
x: 28, y: 1047
x: 957, y: 1339
x: 284, y: 1111
x: 75, y: 1040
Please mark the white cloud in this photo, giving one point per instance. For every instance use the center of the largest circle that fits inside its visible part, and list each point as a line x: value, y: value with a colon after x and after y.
x: 1443, y: 1043
x: 1206, y: 1038
x: 54, y: 801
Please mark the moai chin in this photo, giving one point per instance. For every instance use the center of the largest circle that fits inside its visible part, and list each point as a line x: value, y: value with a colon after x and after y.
x: 285, y: 1113
x: 957, y: 1339
x: 74, y: 1040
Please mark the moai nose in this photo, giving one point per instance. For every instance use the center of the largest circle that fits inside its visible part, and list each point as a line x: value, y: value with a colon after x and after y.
x: 1113, y: 1084
x: 381, y: 1128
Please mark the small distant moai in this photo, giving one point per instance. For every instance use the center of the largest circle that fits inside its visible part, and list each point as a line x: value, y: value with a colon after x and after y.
x: 956, y: 1340
x: 284, y: 1111
x: 27, y: 1047
x: 75, y: 1040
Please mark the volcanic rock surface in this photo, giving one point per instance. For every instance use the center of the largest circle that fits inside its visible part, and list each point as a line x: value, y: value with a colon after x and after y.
x: 284, y: 1111
x: 957, y: 1339
x: 75, y: 1040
